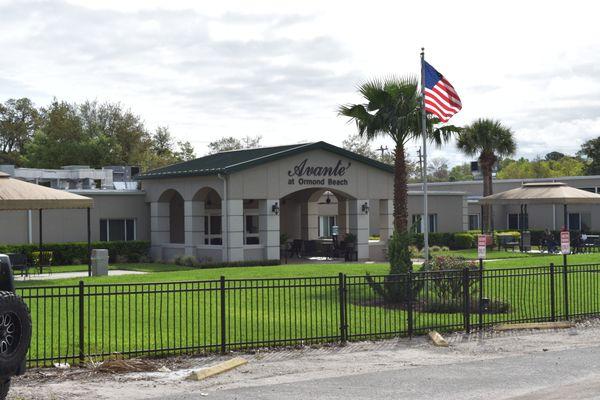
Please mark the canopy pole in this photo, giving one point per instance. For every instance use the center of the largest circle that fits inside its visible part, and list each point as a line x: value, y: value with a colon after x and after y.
x: 89, y: 242
x: 566, y: 222
x: 40, y: 247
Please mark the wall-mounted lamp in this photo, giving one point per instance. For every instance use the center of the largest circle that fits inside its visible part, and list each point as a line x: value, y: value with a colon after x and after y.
x: 275, y: 208
x: 365, y: 208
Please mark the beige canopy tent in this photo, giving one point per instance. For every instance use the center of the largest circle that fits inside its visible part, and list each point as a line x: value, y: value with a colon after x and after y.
x: 543, y: 193
x: 19, y: 195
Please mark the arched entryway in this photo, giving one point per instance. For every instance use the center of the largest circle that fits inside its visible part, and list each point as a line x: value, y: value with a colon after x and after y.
x: 171, y: 211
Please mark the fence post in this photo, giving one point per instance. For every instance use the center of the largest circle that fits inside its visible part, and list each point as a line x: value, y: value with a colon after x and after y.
x: 223, y: 326
x: 466, y: 300
x: 552, y: 294
x: 342, y: 300
x: 480, y: 305
x: 566, y: 290
x: 81, y: 324
x: 409, y: 304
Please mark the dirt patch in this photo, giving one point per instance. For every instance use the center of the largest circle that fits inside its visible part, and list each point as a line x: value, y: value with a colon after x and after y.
x: 292, y: 365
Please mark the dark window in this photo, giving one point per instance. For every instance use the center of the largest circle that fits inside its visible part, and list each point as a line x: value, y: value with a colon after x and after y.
x: 103, y: 231
x: 215, y: 224
x: 513, y: 221
x: 574, y: 221
x: 112, y: 230
x: 473, y: 222
x: 416, y: 223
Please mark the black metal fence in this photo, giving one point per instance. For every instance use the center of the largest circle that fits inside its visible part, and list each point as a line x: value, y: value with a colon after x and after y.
x: 93, y: 321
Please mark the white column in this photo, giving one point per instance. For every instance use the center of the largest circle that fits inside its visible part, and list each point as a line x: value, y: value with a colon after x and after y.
x: 359, y: 226
x: 234, y: 230
x: 309, y: 220
x: 268, y: 226
x: 194, y: 226
x: 386, y: 219
x: 160, y: 232
x: 342, y: 218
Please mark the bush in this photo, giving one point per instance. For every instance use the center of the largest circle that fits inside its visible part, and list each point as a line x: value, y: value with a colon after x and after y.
x: 414, y: 252
x: 446, y: 272
x: 76, y: 252
x: 190, y: 261
x: 462, y: 241
x: 395, y: 288
x: 456, y: 306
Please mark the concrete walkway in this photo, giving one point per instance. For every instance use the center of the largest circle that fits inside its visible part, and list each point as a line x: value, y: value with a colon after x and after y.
x: 68, y: 275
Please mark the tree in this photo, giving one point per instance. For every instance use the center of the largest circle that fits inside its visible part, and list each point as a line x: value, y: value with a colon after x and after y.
x: 359, y: 144
x: 554, y: 156
x: 590, y: 151
x: 230, y: 143
x: 392, y: 108
x: 18, y: 121
x: 461, y: 172
x: 437, y: 170
x: 523, y: 168
x: 488, y: 139
x: 186, y: 151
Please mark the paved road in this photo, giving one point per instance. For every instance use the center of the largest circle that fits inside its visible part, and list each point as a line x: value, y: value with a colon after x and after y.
x: 568, y: 374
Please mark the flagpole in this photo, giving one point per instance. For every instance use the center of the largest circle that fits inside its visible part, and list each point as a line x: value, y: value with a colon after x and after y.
x: 425, y: 217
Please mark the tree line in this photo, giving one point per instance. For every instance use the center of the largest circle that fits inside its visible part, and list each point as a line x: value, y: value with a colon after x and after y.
x: 554, y: 164
x: 88, y: 133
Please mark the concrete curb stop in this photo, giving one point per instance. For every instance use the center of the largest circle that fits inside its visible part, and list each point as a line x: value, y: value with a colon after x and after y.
x: 437, y: 339
x: 217, y: 369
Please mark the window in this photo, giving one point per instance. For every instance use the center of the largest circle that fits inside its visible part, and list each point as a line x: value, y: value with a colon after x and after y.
x: 590, y: 189
x: 474, y: 222
x: 326, y: 224
x: 515, y: 222
x: 251, y: 232
x: 575, y: 221
x: 212, y: 230
x: 418, y: 225
x: 112, y: 230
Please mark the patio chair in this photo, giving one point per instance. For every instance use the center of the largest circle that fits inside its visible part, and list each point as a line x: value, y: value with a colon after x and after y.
x: 42, y: 260
x: 19, y: 263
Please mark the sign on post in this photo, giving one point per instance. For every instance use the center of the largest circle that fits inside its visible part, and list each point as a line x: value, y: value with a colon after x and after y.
x: 565, y: 242
x: 481, y: 246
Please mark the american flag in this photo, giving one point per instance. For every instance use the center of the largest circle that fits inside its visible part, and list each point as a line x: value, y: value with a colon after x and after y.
x: 441, y: 99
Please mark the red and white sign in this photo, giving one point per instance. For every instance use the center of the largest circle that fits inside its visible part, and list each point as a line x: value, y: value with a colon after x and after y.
x: 565, y: 242
x: 481, y: 246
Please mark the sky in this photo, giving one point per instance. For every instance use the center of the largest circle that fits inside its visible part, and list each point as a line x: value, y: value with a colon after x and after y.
x: 280, y: 69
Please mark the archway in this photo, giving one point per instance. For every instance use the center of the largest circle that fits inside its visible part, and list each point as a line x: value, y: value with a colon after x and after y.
x: 172, y: 207
x: 207, y: 226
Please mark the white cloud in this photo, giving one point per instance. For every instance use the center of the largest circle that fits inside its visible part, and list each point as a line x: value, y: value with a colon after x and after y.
x: 280, y: 69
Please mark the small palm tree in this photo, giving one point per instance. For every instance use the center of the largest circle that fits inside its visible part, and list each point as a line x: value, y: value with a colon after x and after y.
x: 393, y: 108
x: 489, y: 140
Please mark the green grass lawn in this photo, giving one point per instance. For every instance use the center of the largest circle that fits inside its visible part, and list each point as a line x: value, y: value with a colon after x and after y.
x: 151, y: 312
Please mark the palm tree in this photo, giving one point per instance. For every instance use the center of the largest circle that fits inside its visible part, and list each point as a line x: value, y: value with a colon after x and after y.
x: 488, y: 139
x: 393, y: 108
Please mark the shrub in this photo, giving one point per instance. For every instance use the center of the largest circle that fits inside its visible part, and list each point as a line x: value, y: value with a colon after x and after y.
x: 446, y: 272
x: 76, y: 252
x: 395, y: 287
x: 414, y: 252
x: 435, y: 249
x: 462, y: 241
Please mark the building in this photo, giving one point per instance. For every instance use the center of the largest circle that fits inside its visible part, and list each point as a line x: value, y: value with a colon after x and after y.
x: 235, y: 205
x: 581, y: 217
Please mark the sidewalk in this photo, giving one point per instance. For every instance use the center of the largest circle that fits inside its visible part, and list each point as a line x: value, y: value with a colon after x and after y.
x: 68, y: 275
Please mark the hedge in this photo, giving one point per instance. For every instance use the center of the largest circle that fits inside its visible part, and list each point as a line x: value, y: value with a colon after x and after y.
x: 76, y: 252
x: 455, y: 241
x: 190, y: 261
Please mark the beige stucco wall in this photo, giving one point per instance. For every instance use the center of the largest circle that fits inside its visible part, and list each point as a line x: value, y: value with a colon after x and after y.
x: 71, y: 225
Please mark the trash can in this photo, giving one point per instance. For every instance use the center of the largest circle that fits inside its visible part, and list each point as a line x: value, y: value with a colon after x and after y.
x: 526, y: 241
x: 99, y: 262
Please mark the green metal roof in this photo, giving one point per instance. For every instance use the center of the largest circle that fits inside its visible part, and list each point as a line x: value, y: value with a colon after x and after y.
x: 236, y: 160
